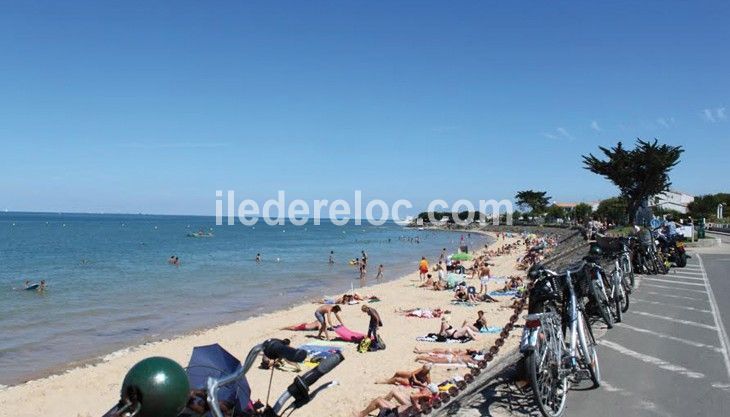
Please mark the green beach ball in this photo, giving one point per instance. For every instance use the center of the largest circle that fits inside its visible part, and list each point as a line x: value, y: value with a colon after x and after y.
x: 159, y: 384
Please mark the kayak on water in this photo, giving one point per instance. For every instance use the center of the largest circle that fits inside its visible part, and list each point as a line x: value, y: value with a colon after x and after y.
x: 200, y: 234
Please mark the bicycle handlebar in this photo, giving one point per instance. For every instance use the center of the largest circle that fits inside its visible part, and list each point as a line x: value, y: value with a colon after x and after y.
x: 328, y: 364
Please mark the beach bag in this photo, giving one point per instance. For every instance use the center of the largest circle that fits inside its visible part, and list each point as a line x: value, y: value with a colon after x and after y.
x: 378, y: 344
x: 364, y: 345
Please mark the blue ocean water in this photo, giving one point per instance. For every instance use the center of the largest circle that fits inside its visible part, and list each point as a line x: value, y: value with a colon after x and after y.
x: 110, y: 285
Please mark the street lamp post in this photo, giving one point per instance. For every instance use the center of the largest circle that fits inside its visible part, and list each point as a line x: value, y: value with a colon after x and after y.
x: 720, y: 210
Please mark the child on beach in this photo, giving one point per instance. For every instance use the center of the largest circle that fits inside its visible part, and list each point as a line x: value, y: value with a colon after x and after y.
x: 423, y: 268
x: 380, y: 272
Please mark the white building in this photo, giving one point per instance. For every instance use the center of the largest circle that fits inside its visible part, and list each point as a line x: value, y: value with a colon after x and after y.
x: 671, y: 200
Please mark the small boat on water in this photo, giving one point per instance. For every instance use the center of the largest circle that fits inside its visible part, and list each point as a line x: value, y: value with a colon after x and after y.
x: 200, y: 234
x: 31, y: 287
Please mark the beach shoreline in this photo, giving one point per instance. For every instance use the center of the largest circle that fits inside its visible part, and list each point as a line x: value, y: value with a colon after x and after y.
x: 109, y: 369
x: 64, y: 357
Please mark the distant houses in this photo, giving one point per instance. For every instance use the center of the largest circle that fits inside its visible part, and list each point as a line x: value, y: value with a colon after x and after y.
x: 672, y: 200
x: 571, y: 206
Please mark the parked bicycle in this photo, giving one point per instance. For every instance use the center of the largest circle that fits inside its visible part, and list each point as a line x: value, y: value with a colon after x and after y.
x: 558, y: 341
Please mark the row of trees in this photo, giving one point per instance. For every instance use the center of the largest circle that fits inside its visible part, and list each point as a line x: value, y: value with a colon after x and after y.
x: 538, y: 203
x: 705, y: 206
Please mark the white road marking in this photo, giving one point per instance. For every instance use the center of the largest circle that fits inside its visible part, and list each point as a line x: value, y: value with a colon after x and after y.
x: 681, y: 277
x: 669, y: 337
x: 718, y: 320
x: 684, y: 297
x: 675, y: 288
x: 675, y: 320
x: 674, y: 281
x: 718, y: 385
x: 652, y: 360
x: 700, y: 310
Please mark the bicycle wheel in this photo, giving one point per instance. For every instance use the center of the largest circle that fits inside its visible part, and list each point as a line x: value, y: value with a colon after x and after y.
x: 544, y: 366
x: 616, y: 296
x: 602, y: 304
x: 628, y: 268
x: 626, y: 292
x: 589, y: 356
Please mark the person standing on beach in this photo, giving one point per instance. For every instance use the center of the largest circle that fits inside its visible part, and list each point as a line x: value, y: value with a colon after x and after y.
x: 324, y: 315
x: 364, y: 259
x: 484, y: 275
x: 375, y: 321
x: 423, y: 268
x: 380, y: 272
x: 442, y: 257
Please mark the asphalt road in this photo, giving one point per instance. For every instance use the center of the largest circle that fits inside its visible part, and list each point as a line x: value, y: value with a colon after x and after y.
x: 669, y: 357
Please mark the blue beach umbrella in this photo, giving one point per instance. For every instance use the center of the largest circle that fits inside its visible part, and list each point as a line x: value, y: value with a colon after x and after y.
x: 214, y: 361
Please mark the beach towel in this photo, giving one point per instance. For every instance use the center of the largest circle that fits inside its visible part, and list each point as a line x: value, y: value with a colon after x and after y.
x: 334, y: 344
x: 463, y: 303
x: 318, y: 349
x: 433, y: 337
x: 490, y: 330
x: 510, y: 293
x: 348, y: 335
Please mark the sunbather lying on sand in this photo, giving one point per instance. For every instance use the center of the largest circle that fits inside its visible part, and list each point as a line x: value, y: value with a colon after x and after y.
x: 450, y: 332
x: 465, y: 358
x: 420, y: 377
x: 345, y: 299
x: 423, y: 313
x: 396, y: 403
x: 312, y: 325
x: 456, y: 351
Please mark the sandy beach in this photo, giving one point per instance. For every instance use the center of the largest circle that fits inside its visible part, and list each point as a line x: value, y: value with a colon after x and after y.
x: 91, y: 390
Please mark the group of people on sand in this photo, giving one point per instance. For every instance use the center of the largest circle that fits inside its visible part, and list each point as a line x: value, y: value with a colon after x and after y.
x: 416, y: 385
x: 362, y: 263
x: 324, y: 321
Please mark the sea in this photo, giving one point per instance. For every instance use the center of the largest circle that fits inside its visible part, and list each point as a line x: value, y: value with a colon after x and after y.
x: 110, y: 285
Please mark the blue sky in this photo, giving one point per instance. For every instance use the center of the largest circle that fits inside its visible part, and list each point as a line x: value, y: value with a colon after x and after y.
x: 139, y: 107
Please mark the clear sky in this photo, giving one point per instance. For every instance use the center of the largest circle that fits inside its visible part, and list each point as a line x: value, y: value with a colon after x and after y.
x: 125, y: 106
